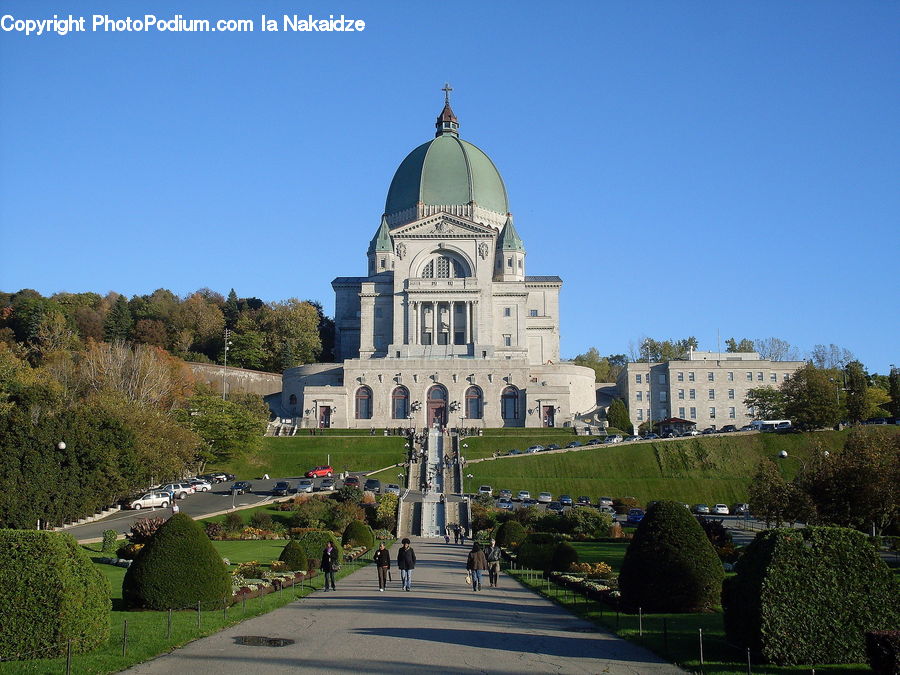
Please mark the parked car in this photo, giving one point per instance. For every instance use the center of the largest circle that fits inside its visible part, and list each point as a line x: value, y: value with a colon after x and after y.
x: 690, y: 432
x: 573, y: 444
x: 709, y: 430
x: 566, y: 500
x: 305, y: 485
x: 700, y: 509
x: 535, y: 448
x: 721, y: 510
x: 545, y: 498
x: 607, y: 509
x: 552, y: 446
x: 728, y: 429
x: 583, y: 501
x: 326, y: 485
x: 177, y: 490
x: 242, y: 487
x: 594, y: 441
x: 740, y: 509
x: 631, y: 438
x: 650, y: 437
x: 505, y: 503
x: 352, y: 481
x: 373, y: 485
x: 485, y: 490
x: 151, y: 500
x: 200, y: 485
x: 506, y: 493
x: 747, y: 427
x: 211, y: 478
x: 615, y: 438
x: 222, y: 477
x: 391, y: 489
x: 320, y: 472
x: 555, y: 506
x: 605, y: 501
x: 635, y: 516
x: 529, y: 502
x: 283, y: 488
x: 523, y: 495
x: 514, y: 451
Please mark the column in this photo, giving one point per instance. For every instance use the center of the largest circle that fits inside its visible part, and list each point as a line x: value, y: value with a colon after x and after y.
x: 467, y: 336
x: 475, y: 321
x: 452, y: 323
x: 434, y: 322
x: 367, y: 320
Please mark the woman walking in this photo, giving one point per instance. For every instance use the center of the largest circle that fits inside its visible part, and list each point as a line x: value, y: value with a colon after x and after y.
x: 329, y: 565
x: 382, y: 560
x: 475, y: 563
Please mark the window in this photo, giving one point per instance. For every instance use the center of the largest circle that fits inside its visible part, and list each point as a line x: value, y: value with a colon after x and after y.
x: 681, y: 377
x: 749, y: 376
x: 681, y: 394
x: 731, y: 376
x: 732, y: 413
x: 662, y: 396
x: 692, y: 394
x: 712, y: 394
x: 400, y: 403
x: 691, y: 376
x: 786, y: 377
x: 663, y: 413
x: 381, y: 263
x: 507, y: 311
x: 363, y: 403
x: 662, y: 378
x: 711, y: 376
x: 507, y: 340
x: 443, y: 267
x: 639, y: 396
x: 759, y: 377
x: 637, y: 378
x: 520, y: 263
x: 474, y: 400
x: 532, y: 312
x: 731, y: 393
x: 509, y: 403
x: 509, y: 263
x: 640, y: 414
x: 293, y: 399
x: 693, y: 413
x: 773, y: 377
x: 681, y: 413
x: 712, y: 413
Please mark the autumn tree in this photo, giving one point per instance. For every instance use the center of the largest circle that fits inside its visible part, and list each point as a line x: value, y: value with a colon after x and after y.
x: 292, y: 333
x: 894, y: 391
x: 769, y: 493
x: 227, y: 428
x: 811, y: 399
x: 857, y: 391
x: 776, y: 349
x: 831, y: 356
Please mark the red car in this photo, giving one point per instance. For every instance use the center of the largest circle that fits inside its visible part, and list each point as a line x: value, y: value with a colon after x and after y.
x: 320, y: 472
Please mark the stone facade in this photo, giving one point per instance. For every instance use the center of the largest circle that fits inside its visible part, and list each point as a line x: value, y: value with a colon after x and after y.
x: 707, y: 388
x: 446, y: 327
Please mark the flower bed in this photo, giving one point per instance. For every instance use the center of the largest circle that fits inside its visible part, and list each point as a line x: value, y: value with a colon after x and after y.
x: 604, y: 590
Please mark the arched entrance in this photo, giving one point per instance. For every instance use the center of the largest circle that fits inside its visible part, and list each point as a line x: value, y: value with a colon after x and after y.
x: 437, y: 406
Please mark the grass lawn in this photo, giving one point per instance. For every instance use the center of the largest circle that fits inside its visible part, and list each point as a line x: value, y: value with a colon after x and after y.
x: 148, y: 631
x: 487, y: 445
x: 609, y: 552
x: 292, y: 456
x: 710, y: 470
x: 675, y: 637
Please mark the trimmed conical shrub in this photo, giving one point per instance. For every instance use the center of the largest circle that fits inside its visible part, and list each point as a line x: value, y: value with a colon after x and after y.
x: 357, y: 533
x: 177, y: 568
x: 670, y: 566
x: 509, y: 534
x: 563, y: 556
x: 295, y: 557
x: 536, y: 552
x: 809, y: 596
x: 51, y: 594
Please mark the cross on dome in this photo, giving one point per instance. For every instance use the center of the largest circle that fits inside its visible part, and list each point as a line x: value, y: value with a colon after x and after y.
x: 447, y: 89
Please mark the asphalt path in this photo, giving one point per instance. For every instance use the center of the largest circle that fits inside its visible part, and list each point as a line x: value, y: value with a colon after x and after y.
x: 441, y: 626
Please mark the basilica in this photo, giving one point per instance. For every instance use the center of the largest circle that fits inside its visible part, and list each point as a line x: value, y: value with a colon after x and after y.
x: 446, y: 328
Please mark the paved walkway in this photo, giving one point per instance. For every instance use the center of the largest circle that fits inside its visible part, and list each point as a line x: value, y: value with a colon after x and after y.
x: 441, y: 626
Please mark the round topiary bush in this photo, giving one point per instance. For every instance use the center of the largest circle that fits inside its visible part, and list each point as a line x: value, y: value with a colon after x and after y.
x: 50, y: 593
x: 809, y: 596
x: 536, y: 552
x: 177, y: 568
x: 294, y: 556
x: 670, y: 566
x: 314, y: 541
x: 509, y: 534
x: 563, y: 556
x: 357, y: 533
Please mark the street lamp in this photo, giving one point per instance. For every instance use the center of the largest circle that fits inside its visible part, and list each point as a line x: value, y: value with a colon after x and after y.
x: 469, y: 476
x: 402, y: 478
x: 228, y: 343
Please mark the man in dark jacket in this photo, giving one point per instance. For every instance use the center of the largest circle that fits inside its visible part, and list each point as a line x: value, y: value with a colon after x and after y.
x: 406, y: 563
x: 475, y: 563
x: 329, y: 565
x: 382, y: 560
x: 492, y: 554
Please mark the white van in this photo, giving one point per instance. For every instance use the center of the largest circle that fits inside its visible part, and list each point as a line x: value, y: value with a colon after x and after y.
x: 150, y: 500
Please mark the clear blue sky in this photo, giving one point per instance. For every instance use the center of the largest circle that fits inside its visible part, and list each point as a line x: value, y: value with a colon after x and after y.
x: 688, y: 168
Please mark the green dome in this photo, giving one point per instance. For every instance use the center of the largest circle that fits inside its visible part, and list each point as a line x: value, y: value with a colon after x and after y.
x: 447, y: 171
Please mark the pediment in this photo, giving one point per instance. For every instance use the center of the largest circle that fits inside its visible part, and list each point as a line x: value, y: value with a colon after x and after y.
x: 443, y: 225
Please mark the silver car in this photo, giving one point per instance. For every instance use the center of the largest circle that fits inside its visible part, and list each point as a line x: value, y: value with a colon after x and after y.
x: 391, y: 489
x: 305, y: 485
x: 150, y: 500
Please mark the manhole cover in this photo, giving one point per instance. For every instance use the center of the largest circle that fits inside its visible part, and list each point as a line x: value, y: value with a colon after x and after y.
x: 262, y: 641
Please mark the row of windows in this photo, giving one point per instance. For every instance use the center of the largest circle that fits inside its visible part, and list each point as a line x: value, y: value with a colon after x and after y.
x: 692, y: 414
x: 692, y: 394
x: 437, y: 397
x: 711, y: 376
x: 507, y: 311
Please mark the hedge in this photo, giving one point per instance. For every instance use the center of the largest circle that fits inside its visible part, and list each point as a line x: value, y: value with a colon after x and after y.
x: 806, y: 596
x: 563, y: 556
x: 51, y: 594
x: 314, y: 541
x: 295, y: 557
x: 536, y: 551
x: 177, y: 568
x: 509, y: 534
x: 357, y: 533
x: 670, y: 566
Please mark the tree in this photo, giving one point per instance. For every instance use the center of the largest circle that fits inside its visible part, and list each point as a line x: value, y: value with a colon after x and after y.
x: 877, y: 403
x: 831, y: 356
x: 666, y: 350
x: 745, y: 345
x: 776, y: 349
x: 857, y: 389
x: 811, y: 399
x: 617, y: 416
x: 894, y: 391
x: 118, y: 323
x: 292, y: 332
x: 247, y: 350
x: 231, y: 310
x: 767, y: 403
x: 769, y: 493
x: 227, y: 429
x: 203, y: 321
x: 606, y: 368
x: 150, y: 331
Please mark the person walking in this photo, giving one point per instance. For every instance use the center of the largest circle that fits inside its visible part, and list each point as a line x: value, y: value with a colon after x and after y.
x: 406, y: 563
x: 382, y: 560
x: 456, y: 534
x: 329, y: 565
x: 493, y: 554
x: 462, y: 536
x: 475, y: 563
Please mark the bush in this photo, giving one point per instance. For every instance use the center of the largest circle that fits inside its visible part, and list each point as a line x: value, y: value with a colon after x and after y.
x: 50, y: 593
x: 883, y: 651
x: 383, y: 535
x: 386, y: 512
x: 670, y: 566
x: 314, y: 541
x: 349, y: 493
x: 177, y: 568
x: 128, y: 551
x: 234, y: 522
x: 357, y: 533
x: 536, y: 551
x: 585, y: 523
x: 261, y: 520
x: 214, y: 530
x: 109, y: 541
x: 622, y: 504
x: 341, y: 514
x: 509, y: 534
x: 564, y: 556
x: 143, y: 530
x: 827, y: 580
x: 294, y: 556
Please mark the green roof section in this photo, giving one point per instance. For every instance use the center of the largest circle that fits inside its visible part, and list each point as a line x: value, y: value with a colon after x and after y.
x: 509, y: 238
x: 381, y: 242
